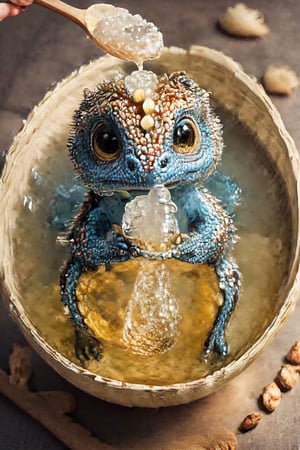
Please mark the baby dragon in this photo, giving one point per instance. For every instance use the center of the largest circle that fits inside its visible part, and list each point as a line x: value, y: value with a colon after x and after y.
x: 124, y: 142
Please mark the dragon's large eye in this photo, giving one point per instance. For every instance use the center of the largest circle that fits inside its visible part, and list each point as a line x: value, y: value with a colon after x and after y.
x: 186, y: 137
x: 105, y: 142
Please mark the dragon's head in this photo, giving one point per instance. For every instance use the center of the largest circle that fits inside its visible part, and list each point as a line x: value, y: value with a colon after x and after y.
x: 123, y: 141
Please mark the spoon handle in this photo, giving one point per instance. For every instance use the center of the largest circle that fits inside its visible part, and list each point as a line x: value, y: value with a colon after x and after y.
x: 75, y: 14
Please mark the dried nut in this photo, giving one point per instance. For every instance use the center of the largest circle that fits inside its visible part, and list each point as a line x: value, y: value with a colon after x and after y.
x: 271, y: 396
x: 280, y: 80
x: 288, y: 376
x: 293, y: 355
x: 243, y: 21
x: 251, y: 421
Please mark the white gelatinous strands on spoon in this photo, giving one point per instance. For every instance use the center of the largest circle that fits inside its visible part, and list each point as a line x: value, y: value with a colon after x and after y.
x: 113, y: 29
x: 127, y: 36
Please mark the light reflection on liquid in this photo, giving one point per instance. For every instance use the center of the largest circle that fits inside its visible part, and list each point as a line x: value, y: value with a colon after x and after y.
x: 262, y: 253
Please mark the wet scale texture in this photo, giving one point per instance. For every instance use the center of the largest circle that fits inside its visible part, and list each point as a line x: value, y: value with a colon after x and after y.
x: 262, y: 253
x: 184, y: 146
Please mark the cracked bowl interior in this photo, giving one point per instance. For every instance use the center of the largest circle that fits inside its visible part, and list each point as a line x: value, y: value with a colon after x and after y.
x: 234, y: 92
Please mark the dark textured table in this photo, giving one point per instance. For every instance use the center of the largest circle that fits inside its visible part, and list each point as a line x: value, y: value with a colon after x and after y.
x: 39, y: 48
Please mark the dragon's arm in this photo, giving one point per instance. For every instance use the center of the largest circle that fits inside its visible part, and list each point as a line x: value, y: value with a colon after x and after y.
x: 209, y: 227
x: 89, y: 247
x: 91, y: 237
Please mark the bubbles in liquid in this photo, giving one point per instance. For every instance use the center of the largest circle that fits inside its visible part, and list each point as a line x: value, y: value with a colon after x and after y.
x: 263, y: 254
x: 128, y: 36
x: 152, y: 313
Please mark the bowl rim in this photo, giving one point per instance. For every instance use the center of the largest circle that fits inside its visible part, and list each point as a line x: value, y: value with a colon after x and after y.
x: 290, y: 291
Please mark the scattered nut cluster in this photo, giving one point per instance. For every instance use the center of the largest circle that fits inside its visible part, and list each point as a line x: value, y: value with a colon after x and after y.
x: 286, y: 379
x: 243, y: 22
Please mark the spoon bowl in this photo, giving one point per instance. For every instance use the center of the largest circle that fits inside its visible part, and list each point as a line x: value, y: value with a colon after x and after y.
x: 114, y: 30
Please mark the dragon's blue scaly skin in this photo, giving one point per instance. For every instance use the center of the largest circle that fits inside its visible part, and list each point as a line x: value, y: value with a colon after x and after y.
x: 113, y: 152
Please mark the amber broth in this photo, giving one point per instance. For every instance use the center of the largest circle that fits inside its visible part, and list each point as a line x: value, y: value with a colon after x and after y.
x: 262, y: 252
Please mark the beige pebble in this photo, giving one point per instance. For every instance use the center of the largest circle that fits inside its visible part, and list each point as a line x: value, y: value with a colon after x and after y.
x: 280, y: 80
x: 138, y: 95
x: 148, y: 106
x: 242, y: 21
x: 147, y: 122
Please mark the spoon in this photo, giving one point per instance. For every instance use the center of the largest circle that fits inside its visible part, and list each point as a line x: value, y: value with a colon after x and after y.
x: 113, y: 29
